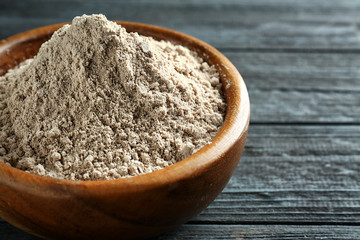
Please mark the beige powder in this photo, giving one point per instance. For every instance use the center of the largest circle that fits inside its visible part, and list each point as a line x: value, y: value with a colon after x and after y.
x: 100, y: 103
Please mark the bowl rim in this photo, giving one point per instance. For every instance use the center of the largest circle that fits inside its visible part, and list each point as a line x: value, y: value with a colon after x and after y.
x: 235, y: 125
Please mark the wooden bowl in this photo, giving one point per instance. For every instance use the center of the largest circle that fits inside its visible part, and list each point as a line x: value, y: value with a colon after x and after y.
x: 136, y: 207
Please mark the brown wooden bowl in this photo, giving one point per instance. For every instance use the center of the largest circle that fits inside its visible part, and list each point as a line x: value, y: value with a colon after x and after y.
x: 130, y: 208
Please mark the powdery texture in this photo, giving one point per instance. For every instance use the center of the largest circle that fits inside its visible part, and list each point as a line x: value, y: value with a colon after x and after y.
x: 100, y: 103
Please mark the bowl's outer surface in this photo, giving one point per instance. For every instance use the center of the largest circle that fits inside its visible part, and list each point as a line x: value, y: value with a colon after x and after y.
x: 137, y: 207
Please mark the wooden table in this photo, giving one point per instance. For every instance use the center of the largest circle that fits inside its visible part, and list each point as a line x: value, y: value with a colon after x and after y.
x: 299, y: 176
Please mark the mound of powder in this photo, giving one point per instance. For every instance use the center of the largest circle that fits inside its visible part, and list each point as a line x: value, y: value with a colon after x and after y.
x: 100, y: 103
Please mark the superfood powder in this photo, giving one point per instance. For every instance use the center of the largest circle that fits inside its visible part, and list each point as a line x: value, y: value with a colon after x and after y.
x: 100, y: 103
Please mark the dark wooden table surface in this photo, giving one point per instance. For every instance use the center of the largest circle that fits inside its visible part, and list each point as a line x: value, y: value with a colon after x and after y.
x: 299, y: 176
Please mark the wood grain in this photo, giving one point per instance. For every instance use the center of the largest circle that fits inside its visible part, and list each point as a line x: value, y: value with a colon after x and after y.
x: 299, y: 176
x: 249, y: 24
x: 263, y: 232
x: 284, y: 207
x: 295, y: 157
x: 287, y: 106
x: 301, y: 87
x: 295, y: 71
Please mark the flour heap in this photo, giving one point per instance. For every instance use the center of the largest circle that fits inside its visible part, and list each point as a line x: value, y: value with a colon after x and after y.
x: 100, y: 103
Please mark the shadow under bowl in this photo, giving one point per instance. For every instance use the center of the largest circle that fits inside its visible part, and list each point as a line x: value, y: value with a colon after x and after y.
x: 130, y: 208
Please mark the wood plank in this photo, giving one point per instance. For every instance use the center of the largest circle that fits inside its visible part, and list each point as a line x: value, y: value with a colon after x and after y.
x: 295, y: 157
x: 284, y: 207
x: 189, y: 231
x: 305, y: 173
x: 301, y: 87
x: 318, y: 72
x: 248, y: 24
x: 287, y: 106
